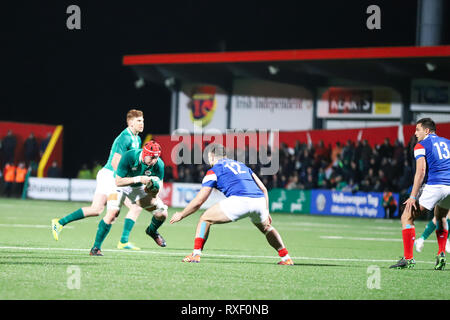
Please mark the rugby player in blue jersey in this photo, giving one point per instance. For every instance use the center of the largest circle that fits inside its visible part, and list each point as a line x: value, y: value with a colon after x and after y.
x: 431, y: 188
x: 246, y: 196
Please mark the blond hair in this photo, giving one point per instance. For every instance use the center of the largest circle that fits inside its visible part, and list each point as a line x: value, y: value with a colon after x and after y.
x: 134, y: 113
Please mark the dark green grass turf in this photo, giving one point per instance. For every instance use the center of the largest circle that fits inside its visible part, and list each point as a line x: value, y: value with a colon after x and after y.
x: 331, y: 254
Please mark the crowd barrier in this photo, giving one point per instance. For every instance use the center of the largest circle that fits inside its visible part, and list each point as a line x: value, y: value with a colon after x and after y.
x: 178, y: 195
x: 173, y: 194
x: 329, y: 202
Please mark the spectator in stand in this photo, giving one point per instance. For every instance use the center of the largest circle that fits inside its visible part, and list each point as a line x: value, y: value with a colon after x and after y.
x: 9, y: 146
x: 293, y: 182
x: 34, y: 168
x: 321, y: 152
x: 84, y: 172
x: 9, y: 175
x: 385, y: 166
x: 168, y: 174
x: 398, y: 151
x: 199, y: 173
x: 44, y: 144
x: 341, y: 184
x: 353, y: 173
x: 348, y: 151
x: 381, y: 182
x: 389, y: 204
x: 365, y: 185
x: 283, y: 181
x: 406, y: 178
x: 30, y: 149
x: 309, y: 171
x: 351, y: 187
x: 372, y: 176
x: 335, y: 153
x: 54, y: 171
x: 394, y: 172
x: 310, y: 182
x: 357, y: 154
x: 285, y: 151
x: 298, y: 148
x: 307, y: 158
x: 321, y: 179
x: 273, y: 182
x: 366, y: 153
x: 386, y: 150
x: 180, y: 173
x: 188, y: 177
x: 19, y: 181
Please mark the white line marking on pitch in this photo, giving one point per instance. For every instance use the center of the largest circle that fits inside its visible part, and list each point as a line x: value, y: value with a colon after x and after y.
x: 30, y: 226
x: 366, y: 239
x: 207, y: 255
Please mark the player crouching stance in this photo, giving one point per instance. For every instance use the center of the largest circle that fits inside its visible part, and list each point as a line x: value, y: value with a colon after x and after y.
x: 138, y: 177
x: 246, y: 196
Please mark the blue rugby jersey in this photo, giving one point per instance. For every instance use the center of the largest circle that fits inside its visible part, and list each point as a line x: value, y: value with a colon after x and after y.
x: 232, y: 178
x: 436, y: 151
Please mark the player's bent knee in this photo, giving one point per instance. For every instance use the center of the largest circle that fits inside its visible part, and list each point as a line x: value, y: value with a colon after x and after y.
x: 265, y: 227
x: 160, y: 209
x: 113, y: 202
x: 268, y: 229
x: 96, y: 211
x: 111, y: 216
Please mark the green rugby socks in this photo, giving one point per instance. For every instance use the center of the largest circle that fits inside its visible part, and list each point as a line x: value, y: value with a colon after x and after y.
x: 102, y: 232
x: 428, y: 230
x: 76, y: 215
x: 154, y: 225
x: 128, y: 225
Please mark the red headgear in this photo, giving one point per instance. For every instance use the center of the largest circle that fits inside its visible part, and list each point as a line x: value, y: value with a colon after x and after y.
x: 152, y: 149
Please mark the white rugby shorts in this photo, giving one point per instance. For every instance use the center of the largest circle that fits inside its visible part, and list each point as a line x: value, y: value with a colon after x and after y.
x: 106, y: 183
x: 236, y: 208
x: 434, y: 194
x: 133, y: 193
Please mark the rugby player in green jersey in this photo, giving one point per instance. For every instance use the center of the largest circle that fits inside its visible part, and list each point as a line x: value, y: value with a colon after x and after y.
x: 127, y: 140
x: 138, y: 178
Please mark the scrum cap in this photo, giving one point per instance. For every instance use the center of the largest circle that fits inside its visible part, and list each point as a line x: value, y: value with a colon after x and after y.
x: 151, y: 149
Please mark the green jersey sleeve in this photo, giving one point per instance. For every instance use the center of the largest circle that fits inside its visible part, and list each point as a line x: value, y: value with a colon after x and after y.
x: 159, y: 172
x: 124, y: 165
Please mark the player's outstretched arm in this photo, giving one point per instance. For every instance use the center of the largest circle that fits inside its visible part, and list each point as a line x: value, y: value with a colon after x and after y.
x: 126, y: 181
x: 193, y: 206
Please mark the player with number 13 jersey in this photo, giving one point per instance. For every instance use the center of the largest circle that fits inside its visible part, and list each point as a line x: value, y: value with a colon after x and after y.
x: 436, y: 151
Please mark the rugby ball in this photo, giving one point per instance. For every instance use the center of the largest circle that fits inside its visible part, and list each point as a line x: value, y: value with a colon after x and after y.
x: 153, y: 185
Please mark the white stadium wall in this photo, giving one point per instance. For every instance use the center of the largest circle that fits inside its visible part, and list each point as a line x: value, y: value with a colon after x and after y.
x: 259, y: 104
x: 173, y: 194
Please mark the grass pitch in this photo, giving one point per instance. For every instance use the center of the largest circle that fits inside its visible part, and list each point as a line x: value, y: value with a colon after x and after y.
x: 335, y: 258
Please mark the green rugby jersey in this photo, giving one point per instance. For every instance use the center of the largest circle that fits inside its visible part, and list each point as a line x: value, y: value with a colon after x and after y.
x: 125, y: 141
x: 131, y: 166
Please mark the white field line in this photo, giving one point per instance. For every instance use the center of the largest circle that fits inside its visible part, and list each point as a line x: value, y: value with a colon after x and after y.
x: 367, y: 239
x: 301, y: 227
x: 30, y: 226
x: 205, y: 254
x: 319, y: 225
